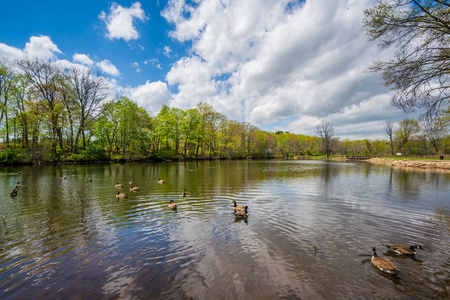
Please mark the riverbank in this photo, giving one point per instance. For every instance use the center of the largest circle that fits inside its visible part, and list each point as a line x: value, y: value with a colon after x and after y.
x: 420, y: 164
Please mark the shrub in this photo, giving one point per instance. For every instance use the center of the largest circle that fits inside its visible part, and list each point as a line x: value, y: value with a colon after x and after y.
x: 10, y: 156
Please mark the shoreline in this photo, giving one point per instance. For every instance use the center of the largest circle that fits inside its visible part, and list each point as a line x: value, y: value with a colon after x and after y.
x: 412, y: 164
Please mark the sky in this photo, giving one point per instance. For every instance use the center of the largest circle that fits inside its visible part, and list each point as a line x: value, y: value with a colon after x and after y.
x: 278, y: 64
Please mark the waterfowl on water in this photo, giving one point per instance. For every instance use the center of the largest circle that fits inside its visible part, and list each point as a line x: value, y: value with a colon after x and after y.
x: 184, y: 194
x: 238, y: 207
x: 118, y: 185
x: 160, y: 181
x: 130, y: 182
x: 13, y: 192
x: 241, y: 214
x: 383, y: 264
x: 121, y: 195
x: 63, y: 177
x: 17, y: 185
x: 74, y: 174
x: 172, y: 205
x: 89, y: 179
x: 402, y: 249
x: 20, y: 173
x: 134, y: 188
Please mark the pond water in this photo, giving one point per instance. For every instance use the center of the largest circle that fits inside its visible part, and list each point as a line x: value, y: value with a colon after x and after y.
x: 309, y: 233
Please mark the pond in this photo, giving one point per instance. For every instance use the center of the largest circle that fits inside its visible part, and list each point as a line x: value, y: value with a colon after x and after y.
x: 309, y: 234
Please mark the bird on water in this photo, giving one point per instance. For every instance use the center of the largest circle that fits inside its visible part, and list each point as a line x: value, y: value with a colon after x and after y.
x: 383, y: 264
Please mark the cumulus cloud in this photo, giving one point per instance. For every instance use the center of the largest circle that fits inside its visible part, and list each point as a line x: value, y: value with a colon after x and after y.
x: 83, y: 59
x: 119, y: 21
x: 9, y: 52
x: 41, y: 47
x: 151, y: 95
x: 107, y: 67
x: 275, y: 63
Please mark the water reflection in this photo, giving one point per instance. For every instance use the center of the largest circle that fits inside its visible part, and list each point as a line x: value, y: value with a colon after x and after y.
x: 308, y: 224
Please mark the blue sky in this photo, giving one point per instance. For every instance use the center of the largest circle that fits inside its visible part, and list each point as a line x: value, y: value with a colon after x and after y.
x: 280, y: 65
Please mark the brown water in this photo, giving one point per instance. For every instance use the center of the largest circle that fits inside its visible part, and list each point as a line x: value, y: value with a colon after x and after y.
x: 72, y: 239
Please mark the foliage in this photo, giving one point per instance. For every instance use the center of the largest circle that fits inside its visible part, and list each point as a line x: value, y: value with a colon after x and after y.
x: 10, y: 156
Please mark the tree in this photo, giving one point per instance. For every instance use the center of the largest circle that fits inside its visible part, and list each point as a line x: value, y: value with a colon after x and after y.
x: 326, y: 132
x: 388, y: 131
x: 408, y: 128
x: 420, y: 29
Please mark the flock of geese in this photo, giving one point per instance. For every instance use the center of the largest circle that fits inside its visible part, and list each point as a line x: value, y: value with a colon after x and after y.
x: 241, y: 211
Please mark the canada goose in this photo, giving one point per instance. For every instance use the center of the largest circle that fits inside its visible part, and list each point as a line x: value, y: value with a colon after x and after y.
x: 172, y: 205
x: 184, y: 193
x: 130, y: 182
x: 89, y: 179
x: 160, y: 181
x: 17, y: 185
x: 121, y: 195
x: 383, y: 264
x: 242, y: 214
x: 63, y: 177
x: 238, y: 207
x: 118, y: 185
x: 13, y: 192
x: 402, y: 249
x: 134, y: 189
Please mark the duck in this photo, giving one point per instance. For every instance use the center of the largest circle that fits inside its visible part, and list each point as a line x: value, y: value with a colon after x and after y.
x: 89, y: 179
x: 118, y: 185
x: 17, y: 185
x: 238, y: 207
x: 134, y: 188
x: 403, y: 250
x: 160, y: 181
x: 241, y: 214
x: 184, y: 194
x: 13, y: 192
x: 383, y: 264
x: 130, y: 182
x: 172, y: 205
x: 121, y: 195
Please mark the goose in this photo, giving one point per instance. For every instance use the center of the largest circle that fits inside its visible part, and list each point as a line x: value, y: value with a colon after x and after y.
x: 134, y: 188
x: 121, y: 195
x: 383, y: 264
x: 118, y: 185
x: 13, y: 192
x: 238, y: 207
x: 89, y: 179
x: 242, y: 214
x: 184, y: 194
x: 160, y: 181
x: 172, y: 205
x: 402, y: 249
x: 17, y: 185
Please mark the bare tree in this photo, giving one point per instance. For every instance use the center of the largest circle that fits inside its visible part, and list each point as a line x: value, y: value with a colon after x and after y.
x: 420, y: 31
x: 435, y: 131
x: 326, y: 132
x: 388, y: 130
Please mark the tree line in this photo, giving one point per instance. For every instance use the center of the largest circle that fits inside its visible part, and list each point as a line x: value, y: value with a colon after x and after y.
x: 50, y: 113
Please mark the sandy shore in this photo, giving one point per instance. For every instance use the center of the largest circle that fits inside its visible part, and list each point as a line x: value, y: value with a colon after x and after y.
x: 421, y: 164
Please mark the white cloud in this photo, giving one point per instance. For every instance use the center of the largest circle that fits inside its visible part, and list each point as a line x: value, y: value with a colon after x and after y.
x: 83, y: 58
x: 107, y: 67
x: 9, y: 52
x: 41, y: 47
x: 119, y: 22
x: 151, y: 95
x: 167, y: 51
x: 275, y: 62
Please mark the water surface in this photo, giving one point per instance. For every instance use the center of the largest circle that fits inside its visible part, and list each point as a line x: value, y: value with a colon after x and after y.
x: 309, y: 234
